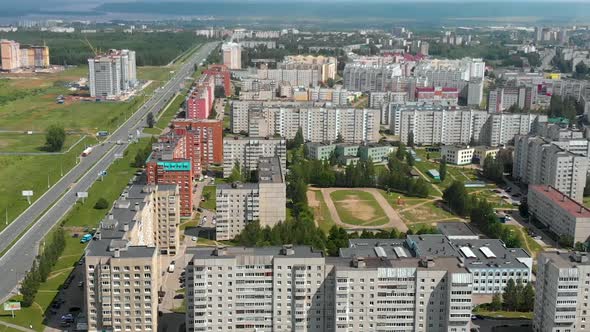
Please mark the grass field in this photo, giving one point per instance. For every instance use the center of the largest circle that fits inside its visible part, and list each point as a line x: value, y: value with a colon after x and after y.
x: 322, y: 215
x: 426, y: 212
x: 31, y: 173
x: 209, y: 203
x: 527, y: 241
x: 81, y: 215
x: 20, y: 142
x: 358, y: 208
x: 167, y: 116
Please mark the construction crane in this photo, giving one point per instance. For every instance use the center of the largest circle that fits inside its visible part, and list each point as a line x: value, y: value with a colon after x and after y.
x: 87, y: 42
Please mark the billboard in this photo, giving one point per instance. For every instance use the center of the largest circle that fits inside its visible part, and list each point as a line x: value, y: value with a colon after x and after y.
x: 11, y: 306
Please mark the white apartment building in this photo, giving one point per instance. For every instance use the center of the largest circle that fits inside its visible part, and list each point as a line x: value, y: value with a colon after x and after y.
x: 457, y: 155
x: 559, y: 212
x: 318, y: 124
x: 248, y: 151
x: 561, y: 292
x: 232, y: 55
x: 295, y: 77
x: 437, y: 125
x: 501, y: 128
x: 241, y: 203
x: 112, y: 74
x: 298, y: 289
x: 327, y: 66
x: 538, y: 161
x: 121, y: 270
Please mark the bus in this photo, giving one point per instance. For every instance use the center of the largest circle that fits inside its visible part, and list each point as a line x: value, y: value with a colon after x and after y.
x: 87, y: 151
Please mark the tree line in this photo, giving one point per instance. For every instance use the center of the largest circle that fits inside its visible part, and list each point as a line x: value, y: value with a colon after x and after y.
x: 567, y: 107
x: 481, y: 213
x: 516, y: 297
x: 152, y: 49
x: 42, y: 267
x: 300, y: 228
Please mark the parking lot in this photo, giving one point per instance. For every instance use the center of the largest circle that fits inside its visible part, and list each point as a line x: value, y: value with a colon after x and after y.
x: 68, y: 303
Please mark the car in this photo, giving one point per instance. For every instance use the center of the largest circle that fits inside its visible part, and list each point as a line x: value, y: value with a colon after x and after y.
x: 81, y: 284
x: 538, y: 237
x: 194, y: 238
x: 179, y: 296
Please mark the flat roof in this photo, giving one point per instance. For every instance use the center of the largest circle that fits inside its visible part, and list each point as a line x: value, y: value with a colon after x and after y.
x: 231, y: 252
x: 562, y: 200
x: 455, y: 229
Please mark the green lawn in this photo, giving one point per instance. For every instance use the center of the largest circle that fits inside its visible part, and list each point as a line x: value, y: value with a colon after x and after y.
x: 358, y: 208
x: 209, y: 203
x: 527, y: 241
x: 459, y: 173
x: 503, y: 314
x: 427, y: 212
x: 399, y: 200
x: 30, y: 173
x: 82, y: 215
x: 321, y: 212
x: 167, y: 116
x: 20, y: 142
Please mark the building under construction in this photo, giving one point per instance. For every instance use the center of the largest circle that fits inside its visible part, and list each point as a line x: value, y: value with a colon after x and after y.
x: 15, y: 56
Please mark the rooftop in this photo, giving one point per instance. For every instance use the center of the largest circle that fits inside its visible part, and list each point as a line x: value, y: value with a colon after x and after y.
x: 562, y: 200
x: 269, y: 170
x: 231, y: 252
x: 453, y: 229
x: 566, y: 260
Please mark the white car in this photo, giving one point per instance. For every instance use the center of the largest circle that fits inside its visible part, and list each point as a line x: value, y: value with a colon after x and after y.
x: 194, y: 238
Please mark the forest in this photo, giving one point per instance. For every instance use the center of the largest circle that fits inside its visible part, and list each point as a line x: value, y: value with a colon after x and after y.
x: 152, y: 49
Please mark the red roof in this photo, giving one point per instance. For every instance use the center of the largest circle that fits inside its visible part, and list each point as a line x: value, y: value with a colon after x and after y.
x: 564, y: 201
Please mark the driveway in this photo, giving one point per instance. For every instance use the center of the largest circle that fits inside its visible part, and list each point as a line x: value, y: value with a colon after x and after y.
x: 395, y: 221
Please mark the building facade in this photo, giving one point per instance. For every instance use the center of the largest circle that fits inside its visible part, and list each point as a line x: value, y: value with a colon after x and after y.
x: 247, y: 153
x: 241, y: 203
x: 112, y: 74
x: 232, y: 55
x: 563, y: 215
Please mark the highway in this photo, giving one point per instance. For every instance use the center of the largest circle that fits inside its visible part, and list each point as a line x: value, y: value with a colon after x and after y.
x: 51, y: 207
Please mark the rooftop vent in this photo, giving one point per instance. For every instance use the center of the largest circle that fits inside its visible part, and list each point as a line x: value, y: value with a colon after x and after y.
x: 288, y: 250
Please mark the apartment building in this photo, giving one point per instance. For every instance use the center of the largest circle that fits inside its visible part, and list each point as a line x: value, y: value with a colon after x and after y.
x: 489, y: 261
x: 173, y: 162
x: 201, y: 97
x: 9, y: 49
x: 206, y: 135
x: 248, y: 151
x: 241, y: 203
x: 540, y: 161
x: 502, y: 128
x: 318, y: 124
x: 221, y: 77
x: 561, y: 298
x: 437, y: 125
x: 327, y: 66
x: 501, y: 99
x: 298, y: 289
x: 338, y: 96
x: 295, y: 77
x: 562, y: 214
x: 112, y: 74
x: 232, y: 55
x: 370, y: 78
x: 121, y: 271
x: 437, y: 95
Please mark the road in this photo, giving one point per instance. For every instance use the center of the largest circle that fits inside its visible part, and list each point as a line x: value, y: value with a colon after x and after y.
x: 546, y: 58
x: 59, y: 199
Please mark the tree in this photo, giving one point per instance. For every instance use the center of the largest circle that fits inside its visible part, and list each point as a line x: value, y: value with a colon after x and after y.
x: 101, y: 204
x: 496, y: 303
x: 410, y: 159
x: 297, y: 141
x: 55, y: 138
x: 528, y: 296
x: 150, y: 120
x: 566, y: 241
x: 523, y: 209
x: 457, y: 198
x: 510, y: 295
x: 400, y: 154
x: 219, y: 91
x: 493, y: 169
x: 411, y: 139
x: 236, y: 173
x: 442, y: 169
x: 581, y: 69
x: 330, y: 82
x: 339, y: 138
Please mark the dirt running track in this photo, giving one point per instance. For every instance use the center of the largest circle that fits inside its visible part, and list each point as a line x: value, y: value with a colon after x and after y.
x: 395, y: 221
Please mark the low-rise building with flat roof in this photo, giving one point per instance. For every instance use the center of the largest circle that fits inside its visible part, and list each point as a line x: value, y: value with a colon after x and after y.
x: 457, y: 155
x: 319, y: 151
x: 563, y: 215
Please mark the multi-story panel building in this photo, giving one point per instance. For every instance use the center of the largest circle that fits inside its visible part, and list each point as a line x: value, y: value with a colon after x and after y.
x: 200, y: 98
x: 9, y: 50
x: 232, y: 55
x: 207, y: 135
x: 327, y: 66
x: 247, y: 152
x: 502, y: 128
x: 172, y: 162
x: 121, y: 270
x: 563, y: 215
x: 241, y: 203
x: 298, y: 289
x: 561, y: 298
x: 318, y: 124
x: 112, y: 74
x: 539, y: 161
x: 479, y: 256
